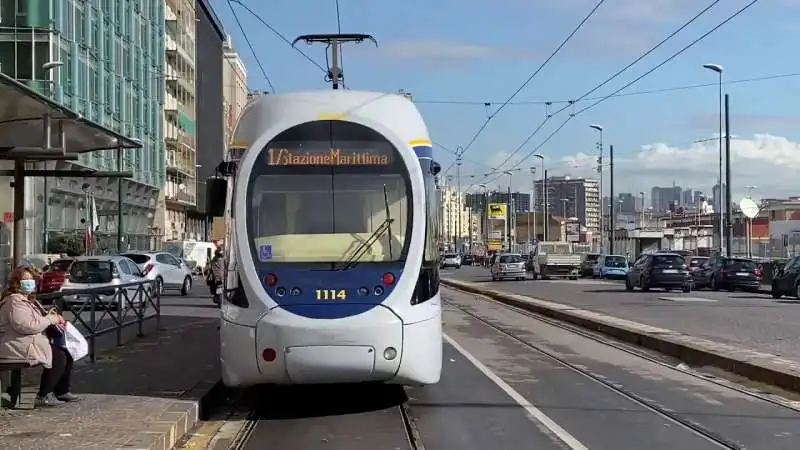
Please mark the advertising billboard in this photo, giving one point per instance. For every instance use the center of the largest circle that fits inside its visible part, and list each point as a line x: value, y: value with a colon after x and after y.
x: 495, y: 245
x: 497, y: 211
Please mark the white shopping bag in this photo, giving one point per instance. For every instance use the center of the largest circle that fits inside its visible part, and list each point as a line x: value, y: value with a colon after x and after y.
x: 76, y: 343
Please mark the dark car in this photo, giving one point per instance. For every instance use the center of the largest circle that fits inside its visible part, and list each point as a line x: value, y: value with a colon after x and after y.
x: 786, y: 280
x: 696, y: 264
x: 587, y: 266
x: 659, y: 270
x: 722, y: 272
x: 467, y: 259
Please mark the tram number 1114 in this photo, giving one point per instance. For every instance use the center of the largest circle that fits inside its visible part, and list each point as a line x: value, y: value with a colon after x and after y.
x: 331, y: 294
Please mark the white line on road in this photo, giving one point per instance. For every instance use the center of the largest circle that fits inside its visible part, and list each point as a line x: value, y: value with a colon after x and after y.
x: 534, y: 412
x: 688, y: 299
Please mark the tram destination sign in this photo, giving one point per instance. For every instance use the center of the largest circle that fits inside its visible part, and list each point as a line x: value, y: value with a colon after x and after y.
x: 328, y: 157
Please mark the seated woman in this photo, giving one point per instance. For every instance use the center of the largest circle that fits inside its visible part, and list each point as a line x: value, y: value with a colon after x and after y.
x: 23, y: 324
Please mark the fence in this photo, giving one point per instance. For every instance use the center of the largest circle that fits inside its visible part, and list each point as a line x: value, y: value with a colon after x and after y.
x: 95, y: 312
x: 108, y: 309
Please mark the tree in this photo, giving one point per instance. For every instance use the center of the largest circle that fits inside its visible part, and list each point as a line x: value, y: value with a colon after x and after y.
x: 71, y: 245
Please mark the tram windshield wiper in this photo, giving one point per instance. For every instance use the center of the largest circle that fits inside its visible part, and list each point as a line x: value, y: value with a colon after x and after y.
x: 385, y: 226
x: 367, y: 244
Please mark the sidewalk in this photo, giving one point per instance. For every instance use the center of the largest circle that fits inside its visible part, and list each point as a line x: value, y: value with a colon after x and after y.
x: 144, y: 395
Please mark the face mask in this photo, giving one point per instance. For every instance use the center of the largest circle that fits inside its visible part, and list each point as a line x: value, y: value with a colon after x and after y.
x: 28, y: 286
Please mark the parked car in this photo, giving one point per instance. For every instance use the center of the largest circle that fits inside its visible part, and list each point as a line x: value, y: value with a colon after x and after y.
x: 451, y: 260
x: 169, y: 272
x: 722, y: 272
x: 786, y: 279
x: 611, y: 267
x: 88, y: 272
x: 659, y: 270
x: 589, y: 261
x: 467, y: 259
x: 508, y: 265
x: 695, y: 264
x: 55, y: 275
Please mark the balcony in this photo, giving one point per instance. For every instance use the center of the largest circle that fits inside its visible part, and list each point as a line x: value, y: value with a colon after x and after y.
x: 182, y: 192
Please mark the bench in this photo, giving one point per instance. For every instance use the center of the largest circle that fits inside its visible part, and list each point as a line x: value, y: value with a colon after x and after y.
x: 14, y: 388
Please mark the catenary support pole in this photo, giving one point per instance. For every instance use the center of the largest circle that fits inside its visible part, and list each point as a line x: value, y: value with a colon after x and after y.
x: 728, y: 224
x: 612, y: 222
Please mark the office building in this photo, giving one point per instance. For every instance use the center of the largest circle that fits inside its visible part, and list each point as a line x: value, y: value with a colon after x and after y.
x: 688, y: 198
x: 210, y: 113
x: 104, y: 60
x: 664, y: 198
x: 572, y: 197
x: 626, y: 203
x: 234, y: 88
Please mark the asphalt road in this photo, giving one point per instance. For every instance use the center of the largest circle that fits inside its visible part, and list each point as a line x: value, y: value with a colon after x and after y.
x: 175, y: 310
x: 754, y: 321
x: 498, y: 393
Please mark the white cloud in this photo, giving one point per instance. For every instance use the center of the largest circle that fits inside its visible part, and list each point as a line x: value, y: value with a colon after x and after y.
x: 440, y: 51
x: 767, y: 161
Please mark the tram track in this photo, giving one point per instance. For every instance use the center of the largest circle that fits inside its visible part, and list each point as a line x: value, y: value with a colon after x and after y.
x: 677, y: 419
x: 255, y: 428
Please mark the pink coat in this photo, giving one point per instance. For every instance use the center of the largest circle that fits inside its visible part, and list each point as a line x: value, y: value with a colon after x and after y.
x: 22, y: 326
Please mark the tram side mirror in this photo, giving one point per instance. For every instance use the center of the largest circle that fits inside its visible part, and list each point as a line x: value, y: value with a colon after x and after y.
x: 216, y: 194
x: 435, y: 168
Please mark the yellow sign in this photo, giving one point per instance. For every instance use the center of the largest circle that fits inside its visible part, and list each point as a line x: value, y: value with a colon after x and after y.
x: 332, y: 157
x: 497, y: 211
x: 331, y: 294
x: 494, y: 245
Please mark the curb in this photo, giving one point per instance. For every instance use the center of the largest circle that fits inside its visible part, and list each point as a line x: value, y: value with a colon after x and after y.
x: 757, y: 366
x: 180, y: 421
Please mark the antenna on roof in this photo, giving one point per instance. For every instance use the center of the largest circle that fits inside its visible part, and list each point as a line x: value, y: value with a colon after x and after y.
x: 334, y: 42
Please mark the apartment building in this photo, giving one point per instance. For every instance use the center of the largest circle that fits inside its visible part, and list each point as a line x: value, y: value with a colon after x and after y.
x: 105, y: 60
x: 234, y: 85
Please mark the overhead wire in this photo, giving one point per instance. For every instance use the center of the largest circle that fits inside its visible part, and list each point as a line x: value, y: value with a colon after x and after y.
x: 250, y: 45
x: 635, y: 80
x: 528, y: 80
x: 613, y: 76
x: 277, y: 33
x: 621, y: 94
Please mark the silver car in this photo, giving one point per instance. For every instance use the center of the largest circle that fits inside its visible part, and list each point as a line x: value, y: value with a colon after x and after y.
x: 508, y: 265
x: 169, y: 272
x: 451, y: 260
x: 88, y: 272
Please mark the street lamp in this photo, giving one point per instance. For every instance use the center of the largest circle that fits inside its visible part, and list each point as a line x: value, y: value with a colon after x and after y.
x: 599, y: 128
x: 719, y: 70
x: 49, y: 68
x: 642, y: 194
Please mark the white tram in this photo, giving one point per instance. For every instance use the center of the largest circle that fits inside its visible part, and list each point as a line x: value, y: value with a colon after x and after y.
x: 332, y: 248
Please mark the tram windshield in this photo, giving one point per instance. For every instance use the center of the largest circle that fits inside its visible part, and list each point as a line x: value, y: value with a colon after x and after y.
x: 329, y: 192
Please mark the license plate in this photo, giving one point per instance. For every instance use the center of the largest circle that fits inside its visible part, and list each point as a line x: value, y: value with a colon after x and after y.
x: 742, y: 274
x: 670, y: 270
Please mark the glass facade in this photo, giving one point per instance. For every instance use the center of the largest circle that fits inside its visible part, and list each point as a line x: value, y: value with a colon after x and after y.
x: 107, y: 63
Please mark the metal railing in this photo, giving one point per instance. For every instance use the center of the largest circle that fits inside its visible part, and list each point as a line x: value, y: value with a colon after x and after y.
x: 102, y: 310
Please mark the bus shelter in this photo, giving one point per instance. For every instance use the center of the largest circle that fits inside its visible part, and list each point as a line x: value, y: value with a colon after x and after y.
x: 34, y: 128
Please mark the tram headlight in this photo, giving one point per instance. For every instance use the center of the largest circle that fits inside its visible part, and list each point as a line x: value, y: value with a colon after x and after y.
x: 363, y: 291
x: 296, y: 291
x: 281, y: 291
x: 390, y: 353
x: 378, y: 290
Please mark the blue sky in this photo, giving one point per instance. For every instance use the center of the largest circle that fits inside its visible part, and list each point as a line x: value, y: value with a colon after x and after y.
x: 467, y: 51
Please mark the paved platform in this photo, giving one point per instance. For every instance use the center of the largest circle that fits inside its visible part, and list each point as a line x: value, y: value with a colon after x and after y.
x: 144, y: 395
x: 751, y: 320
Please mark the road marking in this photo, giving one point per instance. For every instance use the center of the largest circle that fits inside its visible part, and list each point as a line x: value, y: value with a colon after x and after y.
x: 534, y: 412
x: 688, y: 299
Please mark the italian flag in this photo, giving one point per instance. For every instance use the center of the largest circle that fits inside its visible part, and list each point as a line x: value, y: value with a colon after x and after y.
x: 92, y: 223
